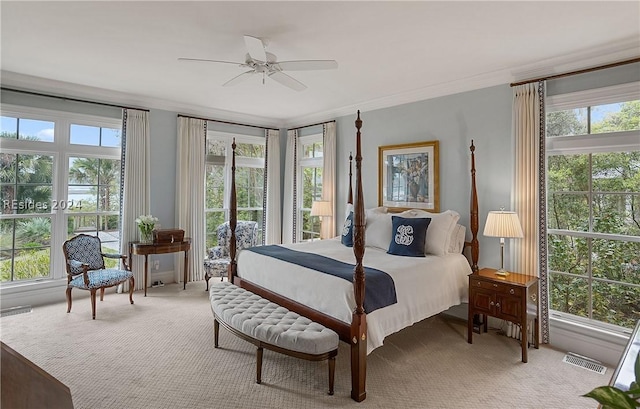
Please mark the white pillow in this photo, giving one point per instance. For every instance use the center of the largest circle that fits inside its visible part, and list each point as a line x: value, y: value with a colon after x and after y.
x: 439, y: 230
x: 456, y: 243
x: 377, y: 232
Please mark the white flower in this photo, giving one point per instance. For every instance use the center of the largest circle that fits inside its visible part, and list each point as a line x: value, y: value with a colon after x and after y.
x: 146, y: 223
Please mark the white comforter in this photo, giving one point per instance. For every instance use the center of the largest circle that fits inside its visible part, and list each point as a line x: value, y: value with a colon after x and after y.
x: 424, y: 286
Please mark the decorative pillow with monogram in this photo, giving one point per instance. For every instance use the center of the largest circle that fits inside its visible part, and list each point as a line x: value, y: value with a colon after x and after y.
x: 409, y: 236
x: 347, y: 231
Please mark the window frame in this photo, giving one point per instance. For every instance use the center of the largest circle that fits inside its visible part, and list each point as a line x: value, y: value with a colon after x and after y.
x: 61, y: 149
x: 315, y: 162
x: 587, y: 144
x: 241, y: 161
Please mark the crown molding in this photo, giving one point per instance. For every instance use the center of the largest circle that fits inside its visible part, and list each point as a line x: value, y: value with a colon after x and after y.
x: 619, y: 51
x: 100, y: 95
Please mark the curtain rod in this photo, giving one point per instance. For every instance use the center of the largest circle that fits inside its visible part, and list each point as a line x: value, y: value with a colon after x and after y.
x: 227, y: 122
x: 583, y: 71
x: 69, y: 98
x: 308, y: 126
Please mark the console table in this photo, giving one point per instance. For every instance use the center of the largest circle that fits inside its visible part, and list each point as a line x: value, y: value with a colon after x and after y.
x: 144, y: 249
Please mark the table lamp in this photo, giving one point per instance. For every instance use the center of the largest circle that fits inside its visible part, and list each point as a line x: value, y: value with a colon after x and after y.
x: 503, y: 224
x: 321, y: 208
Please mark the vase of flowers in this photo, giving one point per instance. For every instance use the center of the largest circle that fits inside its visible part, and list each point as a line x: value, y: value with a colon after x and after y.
x: 146, y: 223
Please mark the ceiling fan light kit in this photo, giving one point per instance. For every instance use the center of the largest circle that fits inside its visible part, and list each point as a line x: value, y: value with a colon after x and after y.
x: 259, y: 61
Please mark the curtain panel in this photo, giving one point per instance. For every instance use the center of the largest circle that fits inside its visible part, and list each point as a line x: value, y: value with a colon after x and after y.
x: 328, y: 225
x: 135, y: 184
x: 272, y: 210
x: 190, y: 193
x: 529, y: 194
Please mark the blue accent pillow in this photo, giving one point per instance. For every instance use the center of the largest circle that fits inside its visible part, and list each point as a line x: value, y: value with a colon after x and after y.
x: 408, y: 236
x: 347, y: 231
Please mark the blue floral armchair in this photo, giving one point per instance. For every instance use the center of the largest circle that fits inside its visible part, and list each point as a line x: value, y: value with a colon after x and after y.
x: 86, y: 270
x: 218, y: 259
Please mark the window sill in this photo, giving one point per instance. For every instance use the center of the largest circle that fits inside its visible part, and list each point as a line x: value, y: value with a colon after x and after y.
x: 604, y: 344
x: 34, y: 292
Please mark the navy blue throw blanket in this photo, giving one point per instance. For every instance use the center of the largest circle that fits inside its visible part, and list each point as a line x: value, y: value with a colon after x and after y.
x: 380, y: 291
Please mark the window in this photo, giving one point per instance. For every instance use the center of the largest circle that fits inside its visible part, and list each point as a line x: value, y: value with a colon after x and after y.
x: 309, y: 185
x: 593, y: 209
x: 60, y: 176
x: 250, y: 155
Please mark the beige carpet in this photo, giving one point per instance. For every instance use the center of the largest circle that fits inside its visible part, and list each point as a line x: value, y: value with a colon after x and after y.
x: 159, y: 353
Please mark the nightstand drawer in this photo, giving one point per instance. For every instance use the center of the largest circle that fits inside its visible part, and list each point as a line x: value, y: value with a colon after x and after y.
x: 502, y: 288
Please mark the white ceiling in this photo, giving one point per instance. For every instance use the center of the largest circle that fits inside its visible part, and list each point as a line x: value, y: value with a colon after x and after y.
x: 388, y: 53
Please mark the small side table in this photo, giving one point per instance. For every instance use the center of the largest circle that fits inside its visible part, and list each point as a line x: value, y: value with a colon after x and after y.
x: 144, y: 249
x: 513, y: 298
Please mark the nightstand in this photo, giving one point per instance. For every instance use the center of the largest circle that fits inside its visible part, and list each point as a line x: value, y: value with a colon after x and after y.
x: 513, y: 298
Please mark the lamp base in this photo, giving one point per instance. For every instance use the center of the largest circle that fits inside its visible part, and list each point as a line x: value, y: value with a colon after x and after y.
x: 502, y: 272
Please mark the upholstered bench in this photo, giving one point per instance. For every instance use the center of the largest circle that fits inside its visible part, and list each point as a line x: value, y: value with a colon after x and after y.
x: 268, y: 325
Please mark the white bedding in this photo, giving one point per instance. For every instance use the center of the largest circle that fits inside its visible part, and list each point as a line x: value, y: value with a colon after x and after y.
x: 425, y: 286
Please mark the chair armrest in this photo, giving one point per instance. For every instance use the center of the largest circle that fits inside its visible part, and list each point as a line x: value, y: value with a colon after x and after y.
x: 120, y: 256
x: 216, y: 252
x: 80, y: 268
x: 78, y: 265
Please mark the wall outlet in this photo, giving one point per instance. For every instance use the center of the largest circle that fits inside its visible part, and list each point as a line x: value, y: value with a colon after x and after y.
x: 156, y: 265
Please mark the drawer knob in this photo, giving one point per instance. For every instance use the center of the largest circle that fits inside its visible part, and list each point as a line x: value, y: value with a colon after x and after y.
x: 495, y: 285
x: 511, y: 291
x: 492, y: 303
x: 498, y: 304
x: 478, y: 283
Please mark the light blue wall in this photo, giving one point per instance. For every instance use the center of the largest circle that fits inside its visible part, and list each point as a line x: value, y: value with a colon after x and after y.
x: 164, y: 145
x: 482, y: 115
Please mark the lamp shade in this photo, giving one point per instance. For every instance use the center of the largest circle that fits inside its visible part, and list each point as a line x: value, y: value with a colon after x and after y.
x: 321, y: 208
x: 503, y: 224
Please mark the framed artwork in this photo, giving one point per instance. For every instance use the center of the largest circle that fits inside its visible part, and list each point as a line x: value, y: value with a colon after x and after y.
x: 408, y: 176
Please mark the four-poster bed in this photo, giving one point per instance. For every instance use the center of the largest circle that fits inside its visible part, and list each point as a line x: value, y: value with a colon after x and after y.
x: 350, y: 321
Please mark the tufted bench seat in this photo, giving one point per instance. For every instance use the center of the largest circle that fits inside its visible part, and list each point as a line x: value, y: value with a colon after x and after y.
x: 268, y: 325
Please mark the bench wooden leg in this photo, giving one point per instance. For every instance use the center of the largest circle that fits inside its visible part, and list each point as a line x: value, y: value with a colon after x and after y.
x: 216, y: 332
x: 332, y: 371
x: 259, y: 365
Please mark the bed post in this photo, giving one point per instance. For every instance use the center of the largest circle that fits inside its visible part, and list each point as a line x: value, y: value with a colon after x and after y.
x: 233, y: 266
x: 475, y: 247
x: 358, y: 336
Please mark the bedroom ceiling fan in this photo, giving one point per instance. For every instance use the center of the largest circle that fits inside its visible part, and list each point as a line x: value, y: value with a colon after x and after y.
x: 259, y: 61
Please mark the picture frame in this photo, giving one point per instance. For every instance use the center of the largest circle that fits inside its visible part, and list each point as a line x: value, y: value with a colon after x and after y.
x: 408, y: 176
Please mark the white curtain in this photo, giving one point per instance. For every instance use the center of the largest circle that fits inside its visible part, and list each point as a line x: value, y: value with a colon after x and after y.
x: 190, y: 176
x: 289, y: 208
x: 529, y: 195
x: 135, y: 190
x: 272, y: 216
x: 328, y: 225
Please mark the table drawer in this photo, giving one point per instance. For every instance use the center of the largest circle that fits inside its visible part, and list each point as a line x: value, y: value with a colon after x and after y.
x: 498, y: 287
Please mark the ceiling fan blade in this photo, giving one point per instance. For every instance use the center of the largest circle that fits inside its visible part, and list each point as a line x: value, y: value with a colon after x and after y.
x: 255, y: 48
x: 308, y: 65
x: 239, y: 78
x: 205, y: 60
x: 287, y: 80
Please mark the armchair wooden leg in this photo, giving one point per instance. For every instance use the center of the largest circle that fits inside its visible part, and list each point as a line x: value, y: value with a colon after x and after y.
x: 102, y: 294
x: 93, y: 304
x: 68, y: 300
x: 132, y: 283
